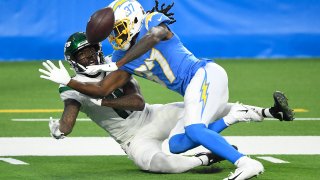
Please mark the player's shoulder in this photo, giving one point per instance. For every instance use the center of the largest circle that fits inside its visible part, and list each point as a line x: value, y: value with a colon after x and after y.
x: 68, y: 93
x: 154, y: 19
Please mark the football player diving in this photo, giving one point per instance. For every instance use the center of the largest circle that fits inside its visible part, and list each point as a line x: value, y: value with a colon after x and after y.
x: 138, y: 127
x: 146, y: 46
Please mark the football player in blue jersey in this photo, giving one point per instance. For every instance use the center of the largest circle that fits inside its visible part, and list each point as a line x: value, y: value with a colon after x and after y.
x: 146, y: 46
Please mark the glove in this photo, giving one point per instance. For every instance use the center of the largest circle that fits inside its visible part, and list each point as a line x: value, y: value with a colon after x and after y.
x: 58, y: 75
x: 101, y: 68
x: 54, y: 129
x: 96, y: 101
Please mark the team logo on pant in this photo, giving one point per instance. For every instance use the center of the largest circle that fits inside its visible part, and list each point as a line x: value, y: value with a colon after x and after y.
x: 204, y: 92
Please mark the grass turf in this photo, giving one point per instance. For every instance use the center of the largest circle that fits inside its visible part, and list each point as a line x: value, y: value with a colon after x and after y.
x: 250, y: 82
x: 120, y: 167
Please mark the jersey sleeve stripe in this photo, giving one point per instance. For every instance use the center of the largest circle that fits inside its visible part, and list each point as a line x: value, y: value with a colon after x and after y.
x: 64, y: 88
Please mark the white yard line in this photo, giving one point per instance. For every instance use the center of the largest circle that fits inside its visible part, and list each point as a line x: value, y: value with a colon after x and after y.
x: 73, y: 146
x: 42, y: 119
x: 272, y: 159
x: 87, y: 119
x: 90, y: 146
x: 13, y: 161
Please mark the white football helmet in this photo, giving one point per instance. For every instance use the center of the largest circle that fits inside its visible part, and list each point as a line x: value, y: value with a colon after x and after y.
x: 128, y: 20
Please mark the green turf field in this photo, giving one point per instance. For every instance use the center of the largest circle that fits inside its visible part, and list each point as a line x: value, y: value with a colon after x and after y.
x: 250, y: 82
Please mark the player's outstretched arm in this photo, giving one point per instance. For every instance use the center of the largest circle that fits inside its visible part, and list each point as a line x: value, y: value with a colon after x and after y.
x: 131, y: 100
x: 153, y: 37
x: 103, y: 88
x: 59, y: 129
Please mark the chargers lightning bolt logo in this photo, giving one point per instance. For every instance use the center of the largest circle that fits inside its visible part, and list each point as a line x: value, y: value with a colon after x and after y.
x: 204, y: 92
x: 149, y: 18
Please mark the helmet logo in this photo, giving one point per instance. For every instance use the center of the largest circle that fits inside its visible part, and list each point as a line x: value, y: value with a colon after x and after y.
x: 68, y: 44
x: 83, y: 43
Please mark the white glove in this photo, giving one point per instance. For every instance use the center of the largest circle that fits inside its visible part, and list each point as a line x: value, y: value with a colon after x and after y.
x: 101, y: 68
x: 96, y: 101
x: 58, y: 75
x: 54, y: 129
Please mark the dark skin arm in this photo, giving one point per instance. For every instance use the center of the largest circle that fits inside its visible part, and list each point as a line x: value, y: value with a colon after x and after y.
x: 69, y: 115
x: 153, y: 37
x: 103, y: 88
x: 132, y: 99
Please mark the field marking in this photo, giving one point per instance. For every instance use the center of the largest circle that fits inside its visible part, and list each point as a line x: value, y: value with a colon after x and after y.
x: 92, y: 146
x: 13, y: 161
x: 300, y: 110
x: 43, y: 119
x: 61, y: 110
x: 30, y: 110
x: 272, y: 159
x: 87, y: 119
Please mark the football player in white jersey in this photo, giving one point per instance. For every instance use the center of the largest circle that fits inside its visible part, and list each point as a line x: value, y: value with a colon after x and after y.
x: 138, y: 123
x: 146, y: 46
x: 138, y: 127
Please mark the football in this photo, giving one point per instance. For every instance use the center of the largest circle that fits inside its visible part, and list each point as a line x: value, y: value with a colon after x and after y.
x: 100, y: 25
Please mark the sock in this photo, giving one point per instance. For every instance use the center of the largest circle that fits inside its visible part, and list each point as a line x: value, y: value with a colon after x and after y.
x: 218, y: 125
x: 213, y: 141
x: 266, y: 113
x: 204, y: 160
x: 180, y: 143
x: 259, y: 110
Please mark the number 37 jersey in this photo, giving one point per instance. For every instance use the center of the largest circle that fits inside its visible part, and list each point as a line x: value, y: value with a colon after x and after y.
x: 168, y: 63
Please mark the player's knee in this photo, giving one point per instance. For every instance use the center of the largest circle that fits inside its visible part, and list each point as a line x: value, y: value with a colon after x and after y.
x: 175, y: 144
x: 180, y: 143
x: 194, y: 132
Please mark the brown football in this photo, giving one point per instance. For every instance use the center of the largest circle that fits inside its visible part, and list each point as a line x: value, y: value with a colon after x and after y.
x: 100, y: 25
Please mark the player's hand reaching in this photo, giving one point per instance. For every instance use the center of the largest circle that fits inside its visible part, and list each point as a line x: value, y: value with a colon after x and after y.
x: 54, y: 129
x: 53, y: 73
x: 109, y: 67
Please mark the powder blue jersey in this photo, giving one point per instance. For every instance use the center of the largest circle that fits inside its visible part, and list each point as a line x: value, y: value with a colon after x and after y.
x: 168, y: 63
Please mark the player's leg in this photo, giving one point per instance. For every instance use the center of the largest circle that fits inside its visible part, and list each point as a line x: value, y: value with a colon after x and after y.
x: 211, y: 139
x: 237, y: 113
x: 175, y: 163
x: 215, y: 79
x: 146, y: 152
x: 178, y: 141
x: 233, y: 113
x: 146, y: 147
x: 195, y: 100
x: 205, y: 98
x: 280, y: 110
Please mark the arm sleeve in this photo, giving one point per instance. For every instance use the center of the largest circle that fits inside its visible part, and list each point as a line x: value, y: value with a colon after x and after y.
x: 68, y: 93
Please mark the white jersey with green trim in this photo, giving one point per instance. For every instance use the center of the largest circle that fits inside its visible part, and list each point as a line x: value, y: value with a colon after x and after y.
x: 122, y: 130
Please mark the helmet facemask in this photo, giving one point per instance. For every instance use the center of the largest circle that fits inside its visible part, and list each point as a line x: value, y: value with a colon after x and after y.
x: 80, y: 54
x: 120, y: 36
x: 86, y: 57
